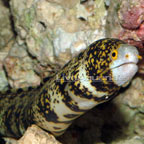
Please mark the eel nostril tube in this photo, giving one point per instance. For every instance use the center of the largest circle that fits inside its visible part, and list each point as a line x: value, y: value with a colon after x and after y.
x: 139, y: 57
x: 127, y: 56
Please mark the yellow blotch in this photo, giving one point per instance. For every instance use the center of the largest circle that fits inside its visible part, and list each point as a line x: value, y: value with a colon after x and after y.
x: 106, y: 64
x: 90, y: 68
x: 104, y: 54
x: 70, y: 87
x: 95, y: 66
x: 72, y: 91
x: 95, y: 53
x: 97, y: 61
x: 92, y: 60
x: 9, y: 111
x: 71, y: 102
x: 46, y: 100
x: 103, y: 47
x: 97, y: 78
x: 46, y: 111
x: 42, y: 101
x: 106, y: 51
x: 91, y: 56
x: 76, y: 83
x: 108, y: 58
x: 62, y: 81
x: 57, y: 87
x: 98, y: 71
x: 75, y: 76
x: 100, y: 52
x: 104, y: 78
x: 88, y: 93
x: 103, y: 63
x: 47, y: 106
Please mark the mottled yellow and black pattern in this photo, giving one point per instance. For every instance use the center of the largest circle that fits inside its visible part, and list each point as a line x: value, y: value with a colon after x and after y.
x: 80, y: 85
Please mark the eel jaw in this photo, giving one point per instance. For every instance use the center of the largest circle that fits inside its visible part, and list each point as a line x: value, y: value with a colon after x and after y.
x: 122, y: 74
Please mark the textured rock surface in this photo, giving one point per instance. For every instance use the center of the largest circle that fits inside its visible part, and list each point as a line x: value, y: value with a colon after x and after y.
x: 34, y: 135
x: 6, y: 33
x: 49, y: 34
x: 126, y: 21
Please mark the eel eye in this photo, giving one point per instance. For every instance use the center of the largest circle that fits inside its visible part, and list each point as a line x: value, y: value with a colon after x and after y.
x: 114, y: 54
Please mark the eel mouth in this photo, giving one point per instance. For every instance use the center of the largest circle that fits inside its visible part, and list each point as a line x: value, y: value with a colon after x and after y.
x: 124, y: 64
x: 124, y: 72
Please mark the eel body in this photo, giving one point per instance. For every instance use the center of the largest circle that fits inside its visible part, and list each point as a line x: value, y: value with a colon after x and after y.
x: 91, y: 78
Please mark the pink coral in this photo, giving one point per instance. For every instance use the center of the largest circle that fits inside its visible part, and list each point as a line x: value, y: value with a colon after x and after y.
x: 131, y: 18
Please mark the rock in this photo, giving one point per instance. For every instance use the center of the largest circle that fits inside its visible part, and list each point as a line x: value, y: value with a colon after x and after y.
x: 6, y: 33
x: 133, y: 140
x: 20, y: 72
x: 44, y: 26
x: 65, y: 3
x: 127, y: 18
x: 34, y: 135
x: 3, y: 80
x: 50, y: 33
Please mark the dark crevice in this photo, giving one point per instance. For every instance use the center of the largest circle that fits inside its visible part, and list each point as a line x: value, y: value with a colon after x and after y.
x: 6, y: 3
x: 12, y: 25
x: 82, y: 19
x: 43, y: 24
x: 83, y: 1
x: 2, y: 141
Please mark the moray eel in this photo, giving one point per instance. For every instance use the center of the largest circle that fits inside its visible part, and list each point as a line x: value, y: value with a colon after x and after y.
x: 92, y: 77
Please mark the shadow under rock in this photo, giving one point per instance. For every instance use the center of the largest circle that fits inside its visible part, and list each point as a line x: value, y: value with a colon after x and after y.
x: 6, y: 3
x: 1, y: 140
x: 104, y: 123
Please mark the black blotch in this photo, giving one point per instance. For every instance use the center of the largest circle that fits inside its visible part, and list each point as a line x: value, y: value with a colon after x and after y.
x: 46, y: 79
x: 56, y: 128
x: 80, y: 92
x: 80, y: 56
x: 8, y: 91
x: 8, y: 120
x: 20, y: 90
x: 17, y: 115
x: 30, y: 88
x: 51, y: 116
x: 71, y: 115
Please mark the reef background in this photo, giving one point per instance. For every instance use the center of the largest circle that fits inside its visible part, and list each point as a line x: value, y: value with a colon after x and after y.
x: 37, y: 37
